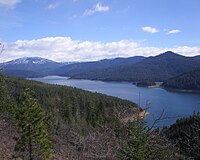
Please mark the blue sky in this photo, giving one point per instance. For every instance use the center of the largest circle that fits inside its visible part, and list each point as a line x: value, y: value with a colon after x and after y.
x: 95, y: 29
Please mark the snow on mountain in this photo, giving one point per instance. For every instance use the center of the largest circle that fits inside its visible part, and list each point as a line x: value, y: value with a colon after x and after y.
x: 31, y: 67
x: 30, y: 60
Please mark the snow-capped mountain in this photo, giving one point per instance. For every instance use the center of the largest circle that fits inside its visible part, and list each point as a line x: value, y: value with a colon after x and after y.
x: 30, y: 60
x: 36, y: 65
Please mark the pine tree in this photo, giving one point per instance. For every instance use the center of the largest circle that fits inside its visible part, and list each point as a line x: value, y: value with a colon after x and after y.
x: 101, y: 113
x: 5, y: 103
x: 2, y: 94
x: 68, y: 113
x: 33, y: 142
x: 91, y: 116
x: 136, y: 146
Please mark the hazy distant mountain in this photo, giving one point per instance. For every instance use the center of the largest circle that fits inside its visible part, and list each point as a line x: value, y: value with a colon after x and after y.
x: 31, y: 64
x: 186, y: 81
x: 22, y: 73
x: 87, y: 67
x: 30, y: 67
x: 138, y: 68
x: 157, y: 68
x: 197, y: 57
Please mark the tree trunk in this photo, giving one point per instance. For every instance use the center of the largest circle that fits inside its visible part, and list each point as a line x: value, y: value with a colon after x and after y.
x: 30, y: 144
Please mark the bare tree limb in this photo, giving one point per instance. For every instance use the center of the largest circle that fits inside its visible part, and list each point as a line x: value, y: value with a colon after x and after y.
x: 2, y: 48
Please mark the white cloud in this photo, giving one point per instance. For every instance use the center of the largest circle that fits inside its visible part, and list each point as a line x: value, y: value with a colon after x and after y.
x: 150, y: 29
x: 53, y: 5
x: 9, y: 3
x: 173, y: 31
x: 98, y: 8
x: 67, y: 49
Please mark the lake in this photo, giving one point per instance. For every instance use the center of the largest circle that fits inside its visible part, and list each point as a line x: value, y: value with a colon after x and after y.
x: 174, y: 104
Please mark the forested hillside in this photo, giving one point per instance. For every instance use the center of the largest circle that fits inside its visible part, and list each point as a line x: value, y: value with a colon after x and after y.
x: 186, y: 81
x: 96, y: 66
x: 22, y: 73
x: 185, y: 133
x: 76, y: 123
x: 71, y: 115
x: 158, y: 68
x: 58, y: 99
x: 133, y: 69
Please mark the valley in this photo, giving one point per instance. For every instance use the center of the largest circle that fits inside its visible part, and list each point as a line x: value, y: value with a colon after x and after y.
x: 118, y: 77
x: 175, y: 104
x: 143, y: 71
x: 99, y: 80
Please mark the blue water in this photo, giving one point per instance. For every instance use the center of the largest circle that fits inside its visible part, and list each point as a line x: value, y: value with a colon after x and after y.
x: 157, y: 100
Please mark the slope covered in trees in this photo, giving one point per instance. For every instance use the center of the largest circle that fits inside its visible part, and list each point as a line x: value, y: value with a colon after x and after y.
x: 70, y: 114
x: 80, y: 124
x: 133, y: 69
x: 185, y: 133
x: 186, y: 81
x: 22, y: 73
x: 158, y: 68
x: 33, y: 142
x: 58, y: 100
x: 87, y: 67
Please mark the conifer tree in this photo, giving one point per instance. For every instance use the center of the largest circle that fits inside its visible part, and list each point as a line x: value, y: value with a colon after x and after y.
x: 3, y: 98
x: 4, y: 106
x: 101, y: 113
x: 91, y: 116
x: 33, y: 142
x: 67, y: 113
x: 137, y: 143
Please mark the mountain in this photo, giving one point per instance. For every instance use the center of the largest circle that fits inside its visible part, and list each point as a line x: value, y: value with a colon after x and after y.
x: 186, y: 81
x: 87, y: 67
x: 197, y: 57
x: 156, y: 68
x: 30, y: 67
x: 36, y: 64
x: 133, y: 69
x: 22, y: 73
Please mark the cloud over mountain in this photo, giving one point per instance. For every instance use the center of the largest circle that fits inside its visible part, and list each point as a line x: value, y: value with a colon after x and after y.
x: 67, y: 49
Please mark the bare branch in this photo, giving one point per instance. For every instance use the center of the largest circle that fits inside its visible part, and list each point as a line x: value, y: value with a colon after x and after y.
x: 2, y: 48
x: 160, y: 118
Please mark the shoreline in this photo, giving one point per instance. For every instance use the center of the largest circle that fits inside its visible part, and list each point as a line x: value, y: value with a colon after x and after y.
x: 138, y: 116
x: 154, y: 86
x: 98, y: 80
x: 181, y: 90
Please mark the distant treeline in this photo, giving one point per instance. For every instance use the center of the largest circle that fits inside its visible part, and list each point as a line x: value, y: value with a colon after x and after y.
x: 185, y: 134
x: 68, y: 103
x: 186, y: 81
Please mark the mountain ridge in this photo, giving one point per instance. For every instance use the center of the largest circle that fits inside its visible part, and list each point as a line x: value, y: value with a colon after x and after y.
x: 30, y: 67
x: 154, y: 68
x: 189, y: 81
x: 133, y: 69
x: 80, y: 68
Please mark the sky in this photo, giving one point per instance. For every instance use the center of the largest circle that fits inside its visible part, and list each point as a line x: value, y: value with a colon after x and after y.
x: 88, y: 30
